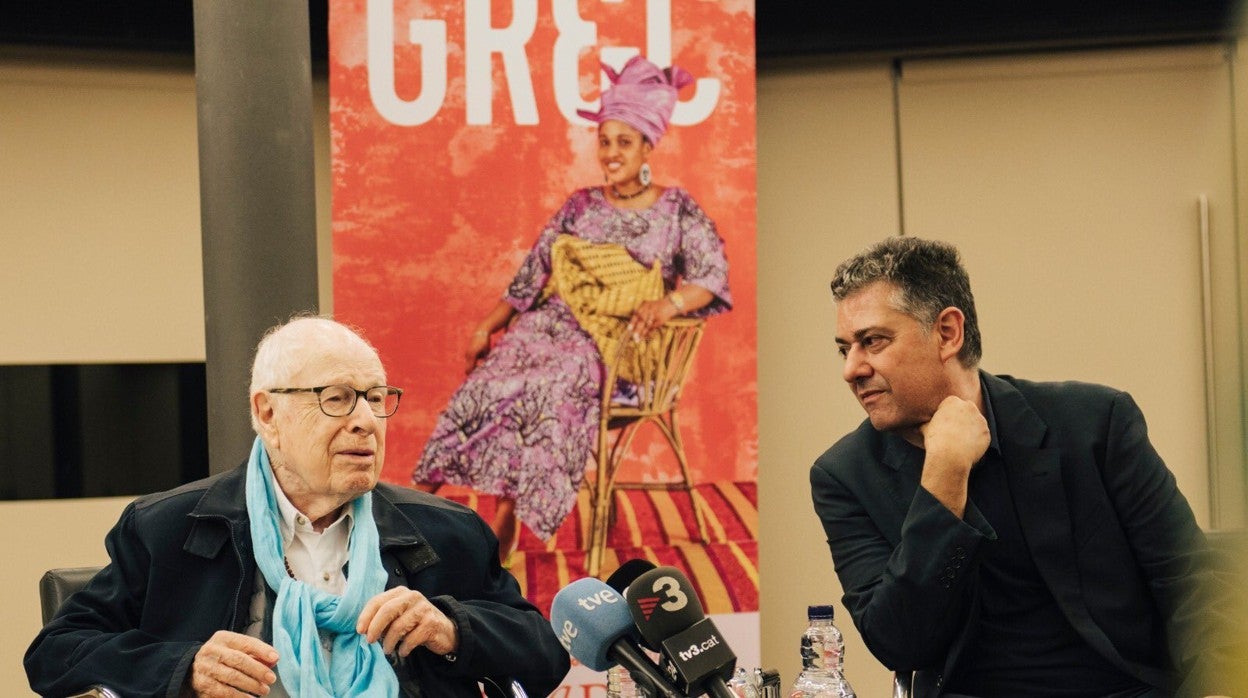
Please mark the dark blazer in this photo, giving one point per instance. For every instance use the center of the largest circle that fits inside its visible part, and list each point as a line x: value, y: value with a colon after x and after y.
x: 1112, y: 537
x: 182, y: 568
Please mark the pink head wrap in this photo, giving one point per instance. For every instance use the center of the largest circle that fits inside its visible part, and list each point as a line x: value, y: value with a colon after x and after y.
x: 642, y: 96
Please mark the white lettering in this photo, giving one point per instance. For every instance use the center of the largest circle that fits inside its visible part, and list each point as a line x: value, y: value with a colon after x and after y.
x: 481, y: 41
x: 430, y: 36
x: 574, y: 34
x: 598, y: 598
x: 669, y: 667
x: 695, y: 649
x: 697, y: 108
x: 676, y: 598
x: 569, y: 632
x: 659, y: 32
x: 694, y: 110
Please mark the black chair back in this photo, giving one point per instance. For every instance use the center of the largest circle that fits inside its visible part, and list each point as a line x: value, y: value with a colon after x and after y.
x: 59, y: 584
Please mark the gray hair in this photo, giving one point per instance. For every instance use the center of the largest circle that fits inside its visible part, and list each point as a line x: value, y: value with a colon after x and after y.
x: 286, y: 348
x: 928, y: 276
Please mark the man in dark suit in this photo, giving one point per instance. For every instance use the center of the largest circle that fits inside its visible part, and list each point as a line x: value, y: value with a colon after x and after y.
x: 1002, y: 537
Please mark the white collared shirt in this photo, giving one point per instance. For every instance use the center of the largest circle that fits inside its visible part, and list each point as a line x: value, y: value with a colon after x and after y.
x: 314, y: 558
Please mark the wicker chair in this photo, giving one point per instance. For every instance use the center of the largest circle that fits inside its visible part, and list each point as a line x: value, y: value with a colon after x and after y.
x: 659, y: 383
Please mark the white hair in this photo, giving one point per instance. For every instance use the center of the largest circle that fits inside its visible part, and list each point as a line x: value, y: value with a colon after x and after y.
x: 286, y: 349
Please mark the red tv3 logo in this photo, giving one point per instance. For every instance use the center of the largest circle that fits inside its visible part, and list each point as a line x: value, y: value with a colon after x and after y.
x: 672, y: 598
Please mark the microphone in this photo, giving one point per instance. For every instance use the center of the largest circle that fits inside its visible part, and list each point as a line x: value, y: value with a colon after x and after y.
x: 624, y: 576
x: 667, y: 612
x: 592, y: 623
x: 628, y: 572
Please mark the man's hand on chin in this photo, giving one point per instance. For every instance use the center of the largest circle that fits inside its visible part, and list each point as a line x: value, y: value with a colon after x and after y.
x: 954, y: 439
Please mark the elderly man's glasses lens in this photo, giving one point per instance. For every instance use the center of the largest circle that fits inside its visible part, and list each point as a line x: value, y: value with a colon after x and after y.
x: 339, y: 400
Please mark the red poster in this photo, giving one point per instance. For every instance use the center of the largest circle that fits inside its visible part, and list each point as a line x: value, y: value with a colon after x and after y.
x: 455, y: 140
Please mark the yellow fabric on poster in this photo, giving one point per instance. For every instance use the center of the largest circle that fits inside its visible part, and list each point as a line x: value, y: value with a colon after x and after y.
x: 603, y: 285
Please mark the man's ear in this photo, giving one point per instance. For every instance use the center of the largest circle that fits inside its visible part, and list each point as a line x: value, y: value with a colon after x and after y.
x: 266, y: 422
x: 949, y: 329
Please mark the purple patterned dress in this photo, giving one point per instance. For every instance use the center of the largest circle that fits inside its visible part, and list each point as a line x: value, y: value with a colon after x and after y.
x: 524, y: 422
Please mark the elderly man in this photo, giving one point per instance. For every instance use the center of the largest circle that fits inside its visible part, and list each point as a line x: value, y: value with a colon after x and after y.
x: 1004, y: 537
x: 298, y: 573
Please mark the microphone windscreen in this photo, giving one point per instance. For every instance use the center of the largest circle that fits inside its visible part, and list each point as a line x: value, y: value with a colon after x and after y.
x: 588, y: 616
x: 663, y: 602
x: 628, y: 572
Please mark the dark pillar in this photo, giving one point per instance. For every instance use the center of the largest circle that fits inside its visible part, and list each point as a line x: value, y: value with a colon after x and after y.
x: 257, y: 197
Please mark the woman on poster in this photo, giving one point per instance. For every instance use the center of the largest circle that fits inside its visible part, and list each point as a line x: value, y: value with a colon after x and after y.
x: 522, y: 425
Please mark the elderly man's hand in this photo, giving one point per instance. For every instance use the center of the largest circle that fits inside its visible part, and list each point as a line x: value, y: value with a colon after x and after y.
x: 404, y: 619
x: 231, y: 665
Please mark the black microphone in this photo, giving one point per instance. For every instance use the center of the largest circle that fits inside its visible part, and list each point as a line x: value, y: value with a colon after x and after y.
x: 666, y: 609
x: 592, y: 623
x: 627, y: 572
x: 624, y: 576
x: 619, y: 580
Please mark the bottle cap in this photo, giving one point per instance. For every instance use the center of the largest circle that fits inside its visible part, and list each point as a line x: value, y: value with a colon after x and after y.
x: 819, y: 612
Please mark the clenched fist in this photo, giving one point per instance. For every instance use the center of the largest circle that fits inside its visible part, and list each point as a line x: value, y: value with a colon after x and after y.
x: 955, y: 438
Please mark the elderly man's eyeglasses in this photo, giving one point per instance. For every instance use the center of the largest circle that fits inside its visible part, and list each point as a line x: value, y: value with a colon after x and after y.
x: 339, y: 400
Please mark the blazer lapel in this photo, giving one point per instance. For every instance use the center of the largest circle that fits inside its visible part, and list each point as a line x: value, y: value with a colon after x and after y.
x: 1034, y: 474
x: 1035, y: 481
x: 903, y: 467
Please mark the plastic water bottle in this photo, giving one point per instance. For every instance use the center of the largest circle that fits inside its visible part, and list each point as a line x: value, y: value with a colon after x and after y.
x: 823, y: 649
x: 742, y: 684
x: 620, y: 684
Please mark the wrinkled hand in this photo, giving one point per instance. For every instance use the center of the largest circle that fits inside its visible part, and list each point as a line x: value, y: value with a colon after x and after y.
x: 404, y: 619
x: 478, y: 347
x: 956, y: 436
x: 649, y: 316
x: 230, y: 665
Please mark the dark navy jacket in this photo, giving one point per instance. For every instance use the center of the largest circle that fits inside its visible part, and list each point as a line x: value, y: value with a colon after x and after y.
x: 182, y: 568
x: 1108, y: 530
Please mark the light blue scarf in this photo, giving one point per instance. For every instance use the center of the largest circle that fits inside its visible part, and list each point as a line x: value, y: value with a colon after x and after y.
x: 356, y: 667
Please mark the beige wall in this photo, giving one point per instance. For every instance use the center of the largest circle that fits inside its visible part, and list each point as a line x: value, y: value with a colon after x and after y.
x: 99, y: 189
x: 827, y: 187
x: 79, y: 181
x: 99, y: 227
x: 43, y: 535
x: 1070, y: 183
x: 100, y: 199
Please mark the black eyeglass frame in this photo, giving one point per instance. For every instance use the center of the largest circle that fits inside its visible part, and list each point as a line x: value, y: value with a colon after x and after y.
x: 355, y: 397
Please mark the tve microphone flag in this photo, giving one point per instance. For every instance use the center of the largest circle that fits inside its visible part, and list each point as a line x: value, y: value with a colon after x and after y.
x: 592, y: 622
x: 666, y: 610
